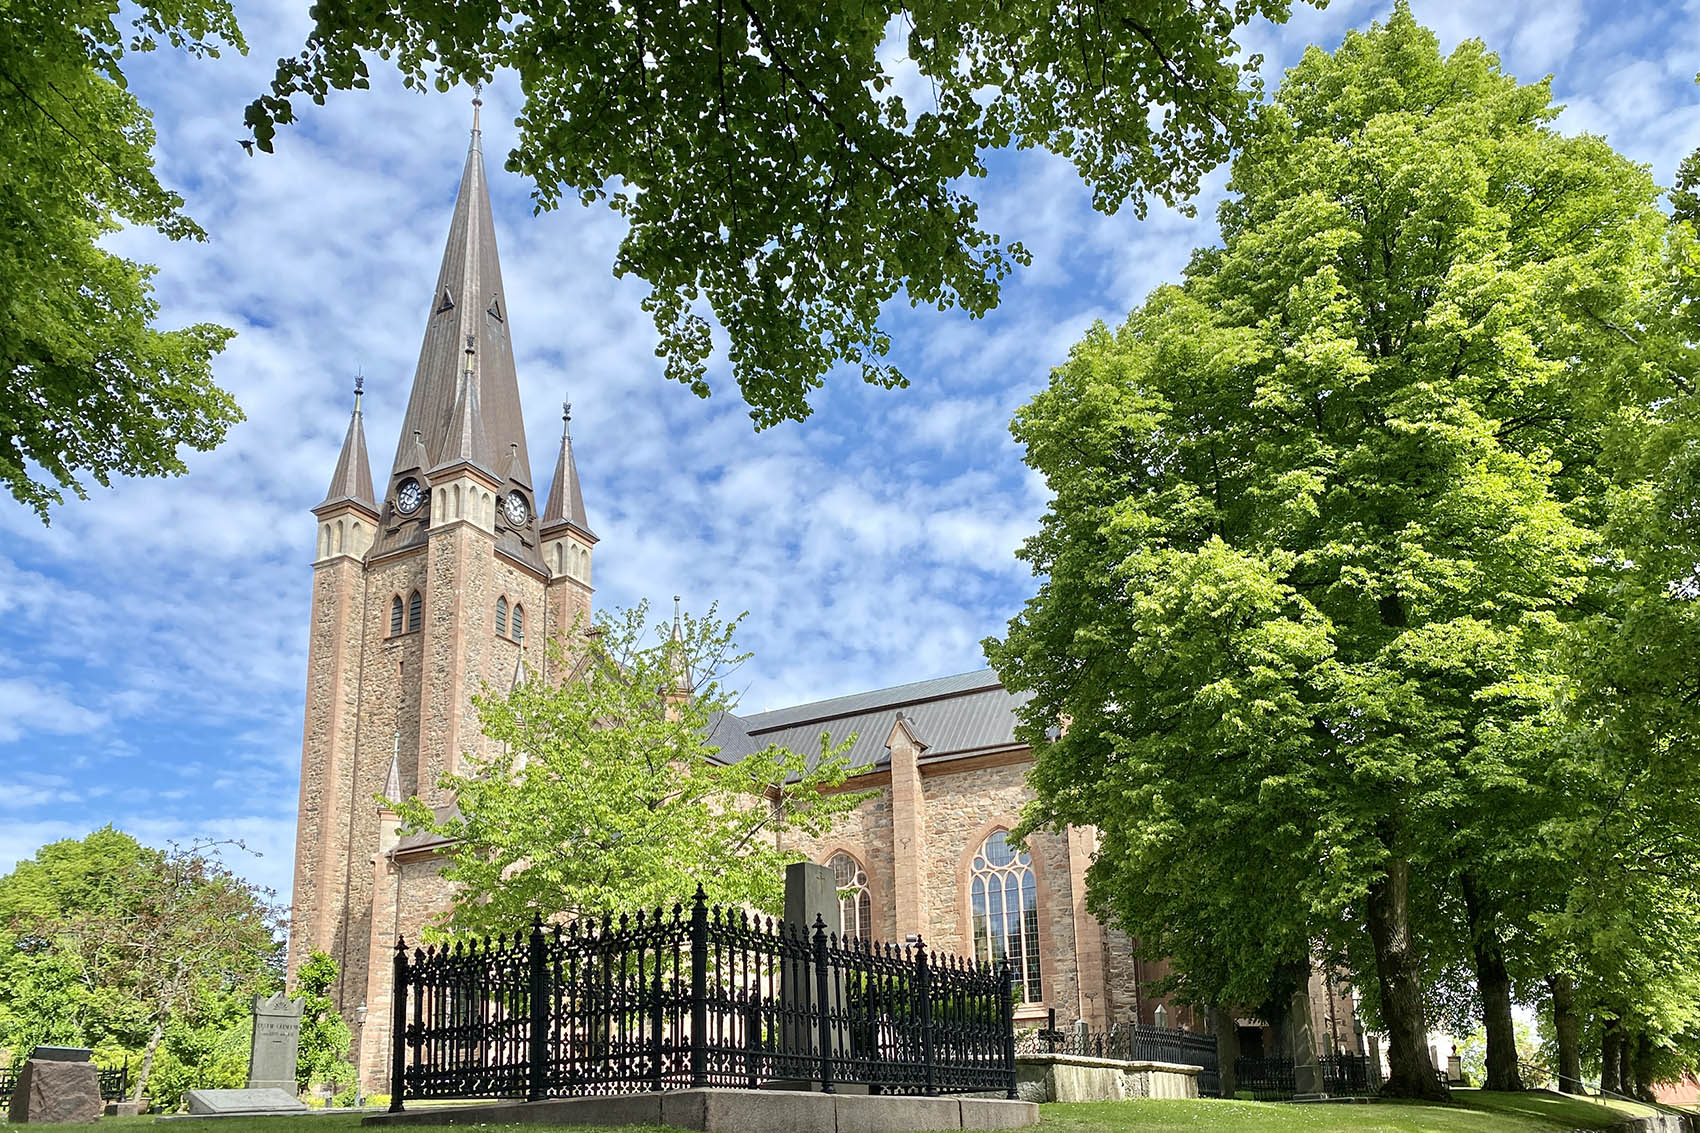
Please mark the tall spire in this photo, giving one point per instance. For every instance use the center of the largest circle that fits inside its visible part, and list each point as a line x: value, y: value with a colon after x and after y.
x: 566, y: 498
x: 469, y: 300
x: 352, y: 480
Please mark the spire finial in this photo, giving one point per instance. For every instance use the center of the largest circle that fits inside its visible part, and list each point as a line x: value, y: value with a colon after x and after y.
x: 566, y: 416
x: 359, y: 387
x: 477, y: 101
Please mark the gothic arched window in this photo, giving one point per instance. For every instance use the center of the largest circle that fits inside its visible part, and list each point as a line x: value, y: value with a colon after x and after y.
x: 415, y: 611
x: 519, y: 621
x: 855, y: 907
x: 1005, y: 900
x: 501, y: 615
x: 395, y: 615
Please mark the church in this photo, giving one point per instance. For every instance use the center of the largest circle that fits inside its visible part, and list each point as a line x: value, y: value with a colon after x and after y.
x: 460, y: 570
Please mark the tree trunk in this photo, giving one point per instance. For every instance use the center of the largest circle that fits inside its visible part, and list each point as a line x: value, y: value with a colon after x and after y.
x: 1611, y: 1057
x: 1642, y: 1064
x: 1398, y: 974
x: 1227, y: 1048
x: 147, y: 1059
x: 1566, y: 1028
x: 1494, y: 984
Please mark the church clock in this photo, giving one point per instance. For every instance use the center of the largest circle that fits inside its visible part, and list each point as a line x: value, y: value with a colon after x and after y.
x: 409, y: 496
x: 515, y: 509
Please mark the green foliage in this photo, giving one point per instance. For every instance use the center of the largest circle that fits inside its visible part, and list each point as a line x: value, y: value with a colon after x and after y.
x: 605, y: 795
x: 325, y: 1038
x: 91, y: 387
x: 1332, y: 524
x: 767, y: 165
x: 136, y: 952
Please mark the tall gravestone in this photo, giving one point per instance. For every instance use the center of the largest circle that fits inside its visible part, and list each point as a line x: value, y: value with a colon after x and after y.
x: 1307, y: 1069
x: 811, y: 891
x: 277, y: 1043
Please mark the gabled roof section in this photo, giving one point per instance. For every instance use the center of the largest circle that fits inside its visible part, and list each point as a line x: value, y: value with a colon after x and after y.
x: 566, y: 498
x: 954, y: 715
x: 468, y: 300
x: 352, y: 480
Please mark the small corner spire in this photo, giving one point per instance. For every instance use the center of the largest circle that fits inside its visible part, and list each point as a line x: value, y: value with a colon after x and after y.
x: 352, y: 480
x: 678, y: 624
x: 566, y: 497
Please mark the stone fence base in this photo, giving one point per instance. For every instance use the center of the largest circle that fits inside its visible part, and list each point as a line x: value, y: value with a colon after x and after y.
x: 739, y: 1111
x: 1075, y: 1078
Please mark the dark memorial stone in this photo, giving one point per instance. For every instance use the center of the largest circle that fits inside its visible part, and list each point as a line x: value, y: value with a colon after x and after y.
x: 56, y: 1090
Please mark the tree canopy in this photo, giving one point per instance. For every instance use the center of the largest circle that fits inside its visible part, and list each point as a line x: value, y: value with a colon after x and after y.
x: 1335, y: 523
x: 130, y: 950
x: 607, y: 793
x: 790, y: 167
x: 89, y: 385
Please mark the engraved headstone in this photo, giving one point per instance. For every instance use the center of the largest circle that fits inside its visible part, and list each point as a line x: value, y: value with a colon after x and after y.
x: 277, y: 1042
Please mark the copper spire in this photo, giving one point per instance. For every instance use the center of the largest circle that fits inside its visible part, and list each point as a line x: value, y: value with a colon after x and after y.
x: 566, y: 498
x: 352, y: 480
x: 468, y: 300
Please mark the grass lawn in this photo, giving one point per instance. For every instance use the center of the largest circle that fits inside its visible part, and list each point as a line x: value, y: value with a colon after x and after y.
x: 1471, y: 1112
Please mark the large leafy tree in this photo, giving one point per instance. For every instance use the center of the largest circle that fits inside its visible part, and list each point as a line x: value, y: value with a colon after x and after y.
x: 89, y: 385
x: 1325, y: 518
x: 793, y: 166
x: 129, y: 949
x: 607, y: 793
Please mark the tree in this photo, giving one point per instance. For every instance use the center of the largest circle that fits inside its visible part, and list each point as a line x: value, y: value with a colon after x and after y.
x: 770, y: 162
x: 606, y: 796
x: 90, y: 386
x: 1324, y: 516
x: 131, y: 944
x: 325, y: 1038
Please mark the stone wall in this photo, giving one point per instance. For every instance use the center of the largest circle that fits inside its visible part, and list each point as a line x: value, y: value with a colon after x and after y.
x: 1071, y: 1078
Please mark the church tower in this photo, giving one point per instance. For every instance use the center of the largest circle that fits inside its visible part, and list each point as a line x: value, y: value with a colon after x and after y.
x: 453, y: 577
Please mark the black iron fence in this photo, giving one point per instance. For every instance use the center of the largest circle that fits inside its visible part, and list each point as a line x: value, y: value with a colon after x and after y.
x: 1271, y: 1079
x: 698, y: 996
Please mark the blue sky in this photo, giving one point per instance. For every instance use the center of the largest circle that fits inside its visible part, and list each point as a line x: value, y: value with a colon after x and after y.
x: 152, y: 640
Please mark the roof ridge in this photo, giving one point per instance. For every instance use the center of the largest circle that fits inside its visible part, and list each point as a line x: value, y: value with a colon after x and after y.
x: 893, y: 696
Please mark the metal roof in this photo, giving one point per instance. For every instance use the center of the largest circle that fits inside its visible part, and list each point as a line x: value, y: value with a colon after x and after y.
x: 950, y: 715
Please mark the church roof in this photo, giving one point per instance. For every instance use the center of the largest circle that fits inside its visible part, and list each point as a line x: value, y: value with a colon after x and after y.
x: 469, y: 300
x: 566, y: 498
x: 953, y: 716
x: 352, y: 480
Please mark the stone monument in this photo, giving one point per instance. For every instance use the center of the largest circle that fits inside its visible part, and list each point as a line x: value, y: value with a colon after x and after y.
x: 57, y: 1084
x: 1307, y: 1069
x: 277, y: 1042
x: 811, y: 891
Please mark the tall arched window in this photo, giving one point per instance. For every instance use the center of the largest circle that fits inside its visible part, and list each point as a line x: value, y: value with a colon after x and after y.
x: 1006, y: 912
x: 501, y: 615
x: 519, y: 621
x: 415, y: 609
x: 395, y: 615
x: 855, y: 907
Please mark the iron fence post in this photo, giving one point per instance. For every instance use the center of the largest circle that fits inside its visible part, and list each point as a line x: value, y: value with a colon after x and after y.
x: 1006, y: 1009
x: 657, y: 1065
x: 822, y: 1006
x: 699, y: 989
x: 923, y: 989
x: 398, y: 1027
x: 537, y: 1063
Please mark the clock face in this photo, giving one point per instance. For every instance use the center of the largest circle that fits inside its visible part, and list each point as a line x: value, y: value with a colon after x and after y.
x: 514, y: 508
x: 409, y: 496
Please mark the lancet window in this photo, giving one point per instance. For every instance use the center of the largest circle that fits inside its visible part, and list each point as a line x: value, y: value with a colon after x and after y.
x: 1005, y: 902
x: 855, y: 906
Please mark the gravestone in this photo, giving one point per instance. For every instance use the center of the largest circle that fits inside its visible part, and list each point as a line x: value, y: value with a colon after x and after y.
x: 811, y: 891
x: 57, y: 1084
x: 233, y: 1103
x: 277, y: 1043
x: 1307, y: 1070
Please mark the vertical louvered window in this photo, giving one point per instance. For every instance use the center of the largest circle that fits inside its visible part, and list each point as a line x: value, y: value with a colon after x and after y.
x: 1005, y: 905
x: 395, y: 615
x: 501, y: 615
x: 519, y: 621
x: 855, y: 907
x: 415, y: 608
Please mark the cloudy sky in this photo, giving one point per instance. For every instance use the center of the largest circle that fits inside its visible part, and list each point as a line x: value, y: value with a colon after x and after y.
x: 152, y: 640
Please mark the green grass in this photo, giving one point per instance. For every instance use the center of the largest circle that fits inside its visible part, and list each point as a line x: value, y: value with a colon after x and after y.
x: 1471, y: 1112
